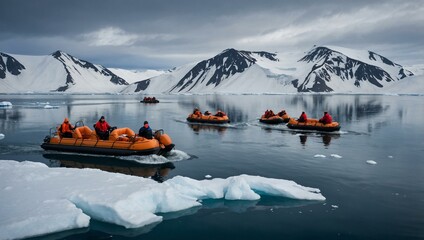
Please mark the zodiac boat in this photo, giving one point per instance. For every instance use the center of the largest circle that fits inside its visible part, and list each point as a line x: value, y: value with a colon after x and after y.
x: 122, y: 142
x: 276, y: 119
x: 208, y: 119
x: 313, y: 124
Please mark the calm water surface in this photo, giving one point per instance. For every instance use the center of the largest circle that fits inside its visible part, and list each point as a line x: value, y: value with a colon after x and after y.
x: 364, y: 201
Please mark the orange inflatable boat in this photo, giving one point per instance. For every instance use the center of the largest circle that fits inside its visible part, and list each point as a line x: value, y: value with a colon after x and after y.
x: 271, y: 120
x: 276, y: 119
x: 122, y: 142
x: 313, y: 124
x: 208, y: 119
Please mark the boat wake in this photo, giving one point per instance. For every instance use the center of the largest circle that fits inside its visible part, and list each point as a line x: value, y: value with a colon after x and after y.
x: 172, y: 156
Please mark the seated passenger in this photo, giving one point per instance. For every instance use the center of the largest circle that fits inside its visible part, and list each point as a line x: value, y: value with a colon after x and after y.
x: 197, y: 112
x: 207, y: 113
x: 102, y: 128
x: 282, y: 113
x: 326, y: 119
x: 266, y: 114
x: 220, y: 113
x: 145, y: 131
x: 303, y: 117
x: 66, y: 129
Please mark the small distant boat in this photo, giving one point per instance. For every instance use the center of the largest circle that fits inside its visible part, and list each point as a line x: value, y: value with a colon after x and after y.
x: 5, y: 104
x: 122, y: 142
x: 208, y: 119
x: 313, y: 124
x: 149, y: 100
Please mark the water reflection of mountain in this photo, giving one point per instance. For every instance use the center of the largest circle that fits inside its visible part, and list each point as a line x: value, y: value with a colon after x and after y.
x: 345, y: 108
x: 207, y: 127
x: 157, y: 172
x: 10, y: 118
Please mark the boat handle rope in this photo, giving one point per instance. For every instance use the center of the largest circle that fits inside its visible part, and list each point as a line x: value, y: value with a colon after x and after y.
x: 113, y: 144
x: 95, y: 145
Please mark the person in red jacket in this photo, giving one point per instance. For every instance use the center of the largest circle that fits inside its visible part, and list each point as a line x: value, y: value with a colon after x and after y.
x: 66, y: 129
x: 102, y: 128
x: 303, y: 117
x: 326, y: 119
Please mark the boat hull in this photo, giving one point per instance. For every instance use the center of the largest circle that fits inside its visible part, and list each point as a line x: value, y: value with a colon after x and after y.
x: 122, y: 142
x: 275, y: 119
x: 155, y: 101
x: 313, y: 124
x: 208, y: 119
x: 98, y: 150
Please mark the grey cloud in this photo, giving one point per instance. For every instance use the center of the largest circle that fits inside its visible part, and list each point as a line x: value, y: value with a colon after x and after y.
x: 180, y: 29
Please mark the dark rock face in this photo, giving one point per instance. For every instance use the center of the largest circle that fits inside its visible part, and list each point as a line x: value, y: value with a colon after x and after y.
x: 329, y: 63
x: 214, y: 70
x: 62, y: 57
x: 142, y: 85
x: 9, y: 64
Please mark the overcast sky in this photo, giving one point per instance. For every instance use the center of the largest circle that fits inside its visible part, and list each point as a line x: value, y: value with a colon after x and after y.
x: 141, y: 34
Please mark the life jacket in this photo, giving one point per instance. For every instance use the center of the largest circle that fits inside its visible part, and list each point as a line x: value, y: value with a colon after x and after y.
x: 65, y: 127
x: 326, y: 119
x: 303, y: 117
x: 102, y: 126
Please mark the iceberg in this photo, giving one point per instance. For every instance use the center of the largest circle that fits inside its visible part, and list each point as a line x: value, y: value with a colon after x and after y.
x: 5, y: 104
x: 42, y: 200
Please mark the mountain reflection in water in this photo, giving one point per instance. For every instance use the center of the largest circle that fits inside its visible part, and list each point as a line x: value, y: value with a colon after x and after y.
x: 207, y: 127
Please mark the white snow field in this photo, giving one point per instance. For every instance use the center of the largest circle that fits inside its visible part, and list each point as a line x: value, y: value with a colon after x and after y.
x: 38, y: 200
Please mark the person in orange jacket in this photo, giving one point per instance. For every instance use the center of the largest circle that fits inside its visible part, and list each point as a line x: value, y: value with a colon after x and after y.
x: 66, y: 129
x: 102, y: 128
x: 220, y: 113
x: 303, y: 117
x: 326, y: 119
x: 197, y: 112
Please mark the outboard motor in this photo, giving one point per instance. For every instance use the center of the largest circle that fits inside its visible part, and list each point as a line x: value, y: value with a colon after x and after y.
x: 165, y: 140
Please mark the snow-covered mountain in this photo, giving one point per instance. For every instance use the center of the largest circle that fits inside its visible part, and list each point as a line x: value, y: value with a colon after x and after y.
x: 335, y: 69
x: 322, y: 69
x: 58, y: 72
x: 231, y: 71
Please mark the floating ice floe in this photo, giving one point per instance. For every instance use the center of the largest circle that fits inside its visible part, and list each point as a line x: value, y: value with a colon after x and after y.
x: 372, y: 162
x: 42, y: 200
x: 5, y: 104
x: 336, y: 156
x: 2, y: 136
x: 319, y: 156
x: 390, y: 156
x: 48, y: 106
x: 208, y: 176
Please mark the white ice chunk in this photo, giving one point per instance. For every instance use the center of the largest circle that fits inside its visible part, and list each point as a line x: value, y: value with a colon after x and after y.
x: 238, y: 189
x: 372, y: 162
x: 42, y: 200
x: 2, y: 136
x: 319, y: 156
x: 336, y: 156
x: 208, y: 176
x: 48, y: 106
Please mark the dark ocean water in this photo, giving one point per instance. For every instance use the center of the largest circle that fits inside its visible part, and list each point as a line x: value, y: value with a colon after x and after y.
x: 364, y: 201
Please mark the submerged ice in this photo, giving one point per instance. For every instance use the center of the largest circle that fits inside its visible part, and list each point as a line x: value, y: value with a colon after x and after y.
x: 43, y: 200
